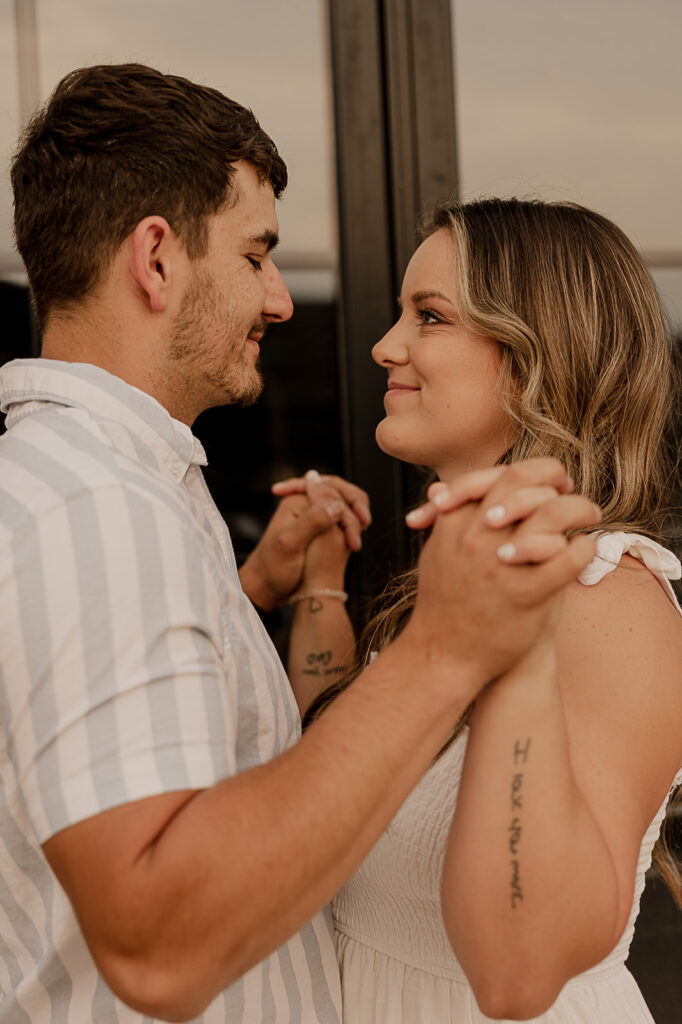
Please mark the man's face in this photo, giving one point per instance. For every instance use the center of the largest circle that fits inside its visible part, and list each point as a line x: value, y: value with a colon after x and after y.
x: 235, y: 291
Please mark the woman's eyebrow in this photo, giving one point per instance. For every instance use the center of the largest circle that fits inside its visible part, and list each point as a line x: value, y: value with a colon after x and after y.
x: 418, y: 297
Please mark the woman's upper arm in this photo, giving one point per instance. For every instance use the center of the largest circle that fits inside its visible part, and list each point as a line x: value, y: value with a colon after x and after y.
x: 619, y: 646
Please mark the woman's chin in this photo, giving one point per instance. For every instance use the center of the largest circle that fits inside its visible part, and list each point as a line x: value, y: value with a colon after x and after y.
x: 392, y: 443
x: 385, y: 438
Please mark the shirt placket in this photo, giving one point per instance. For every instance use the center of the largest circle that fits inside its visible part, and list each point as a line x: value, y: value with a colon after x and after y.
x: 195, y: 483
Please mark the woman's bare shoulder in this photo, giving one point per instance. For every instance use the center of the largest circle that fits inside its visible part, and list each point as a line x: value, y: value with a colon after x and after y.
x: 628, y: 598
x: 619, y: 646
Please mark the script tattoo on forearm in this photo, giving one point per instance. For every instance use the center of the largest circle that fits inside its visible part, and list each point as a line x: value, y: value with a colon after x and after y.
x: 521, y: 753
x: 319, y: 663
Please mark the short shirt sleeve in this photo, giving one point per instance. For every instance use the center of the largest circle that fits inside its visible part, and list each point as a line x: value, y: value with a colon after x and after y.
x: 113, y: 681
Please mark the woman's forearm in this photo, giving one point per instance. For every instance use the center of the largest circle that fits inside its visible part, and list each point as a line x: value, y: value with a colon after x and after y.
x: 530, y: 891
x: 321, y: 645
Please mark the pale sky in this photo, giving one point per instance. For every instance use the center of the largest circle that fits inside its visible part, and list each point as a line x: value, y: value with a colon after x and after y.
x: 578, y: 101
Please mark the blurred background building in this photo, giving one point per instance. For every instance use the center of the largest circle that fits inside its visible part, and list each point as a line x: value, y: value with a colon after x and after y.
x: 381, y: 108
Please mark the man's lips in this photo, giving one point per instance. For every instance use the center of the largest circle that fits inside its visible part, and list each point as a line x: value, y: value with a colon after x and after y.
x: 257, y: 332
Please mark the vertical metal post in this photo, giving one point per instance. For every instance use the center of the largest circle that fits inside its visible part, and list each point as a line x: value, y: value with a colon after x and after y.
x: 367, y: 278
x: 396, y: 156
x: 421, y: 114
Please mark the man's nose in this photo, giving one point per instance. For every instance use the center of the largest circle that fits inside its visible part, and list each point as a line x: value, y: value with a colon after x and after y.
x: 278, y: 305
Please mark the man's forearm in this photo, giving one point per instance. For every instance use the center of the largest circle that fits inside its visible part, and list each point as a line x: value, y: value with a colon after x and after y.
x: 240, y: 867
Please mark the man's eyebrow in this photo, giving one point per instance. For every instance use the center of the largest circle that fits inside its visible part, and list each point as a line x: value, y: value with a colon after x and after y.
x: 418, y: 297
x: 268, y: 238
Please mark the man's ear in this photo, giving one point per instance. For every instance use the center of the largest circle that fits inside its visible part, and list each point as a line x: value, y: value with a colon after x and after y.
x: 155, y: 247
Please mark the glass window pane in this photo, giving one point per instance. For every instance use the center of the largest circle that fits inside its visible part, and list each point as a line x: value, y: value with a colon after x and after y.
x: 280, y: 73
x: 575, y: 101
x: 274, y: 58
x: 669, y: 283
x: 9, y: 127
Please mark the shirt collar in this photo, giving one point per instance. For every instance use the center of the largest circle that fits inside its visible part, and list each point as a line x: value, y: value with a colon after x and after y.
x: 105, y: 397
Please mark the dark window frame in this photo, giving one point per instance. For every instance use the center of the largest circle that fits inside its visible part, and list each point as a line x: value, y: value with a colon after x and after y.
x: 396, y: 156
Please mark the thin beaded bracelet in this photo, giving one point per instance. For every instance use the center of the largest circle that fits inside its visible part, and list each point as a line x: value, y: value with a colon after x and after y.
x: 340, y: 595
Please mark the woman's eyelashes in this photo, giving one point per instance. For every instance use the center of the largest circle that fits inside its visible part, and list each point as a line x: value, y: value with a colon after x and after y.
x: 426, y: 317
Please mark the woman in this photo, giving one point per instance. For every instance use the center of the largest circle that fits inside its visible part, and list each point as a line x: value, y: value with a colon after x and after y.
x: 508, y: 884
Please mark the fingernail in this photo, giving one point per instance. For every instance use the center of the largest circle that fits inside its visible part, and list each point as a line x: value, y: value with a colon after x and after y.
x: 313, y: 476
x: 334, y: 509
x: 415, y: 515
x: 506, y: 552
x: 495, y: 513
x: 441, y: 499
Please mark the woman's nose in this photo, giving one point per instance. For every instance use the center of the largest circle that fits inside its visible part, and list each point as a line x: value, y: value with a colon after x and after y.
x: 391, y: 349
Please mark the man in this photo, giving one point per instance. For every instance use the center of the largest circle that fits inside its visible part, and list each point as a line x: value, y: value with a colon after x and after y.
x: 154, y: 763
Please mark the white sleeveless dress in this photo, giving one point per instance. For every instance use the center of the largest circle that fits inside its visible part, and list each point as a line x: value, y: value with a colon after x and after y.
x: 397, y: 966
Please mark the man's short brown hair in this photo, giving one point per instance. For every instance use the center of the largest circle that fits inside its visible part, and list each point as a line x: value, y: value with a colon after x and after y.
x: 115, y: 144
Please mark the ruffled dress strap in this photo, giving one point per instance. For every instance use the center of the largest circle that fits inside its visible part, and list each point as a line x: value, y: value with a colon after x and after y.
x: 612, y: 546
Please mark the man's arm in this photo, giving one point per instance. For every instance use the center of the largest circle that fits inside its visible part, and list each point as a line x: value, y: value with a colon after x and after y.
x: 179, y: 894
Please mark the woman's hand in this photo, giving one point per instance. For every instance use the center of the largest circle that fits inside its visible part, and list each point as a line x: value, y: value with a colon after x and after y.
x: 537, y: 542
x: 346, y: 504
x: 322, y: 641
x: 310, y: 506
x: 552, y: 480
x: 328, y: 553
x: 492, y: 569
x: 326, y: 561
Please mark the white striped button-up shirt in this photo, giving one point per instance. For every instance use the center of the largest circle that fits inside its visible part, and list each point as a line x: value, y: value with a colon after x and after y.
x: 131, y: 664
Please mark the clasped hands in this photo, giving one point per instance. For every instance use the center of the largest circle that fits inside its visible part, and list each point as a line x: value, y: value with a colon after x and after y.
x: 503, y: 546
x: 319, y: 521
x: 498, y: 555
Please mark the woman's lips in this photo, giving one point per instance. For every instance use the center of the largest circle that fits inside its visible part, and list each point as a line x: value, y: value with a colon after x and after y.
x: 400, y: 389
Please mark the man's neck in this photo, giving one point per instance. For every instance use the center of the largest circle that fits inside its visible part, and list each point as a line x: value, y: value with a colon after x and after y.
x: 108, y: 342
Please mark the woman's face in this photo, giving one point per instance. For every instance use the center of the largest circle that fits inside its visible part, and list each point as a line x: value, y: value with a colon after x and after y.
x: 442, y: 405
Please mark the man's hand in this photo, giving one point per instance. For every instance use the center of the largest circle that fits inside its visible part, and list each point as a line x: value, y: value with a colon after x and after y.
x: 348, y: 501
x: 487, y: 591
x: 311, y: 505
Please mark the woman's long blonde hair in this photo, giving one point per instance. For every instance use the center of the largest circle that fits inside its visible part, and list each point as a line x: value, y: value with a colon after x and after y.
x: 586, y: 371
